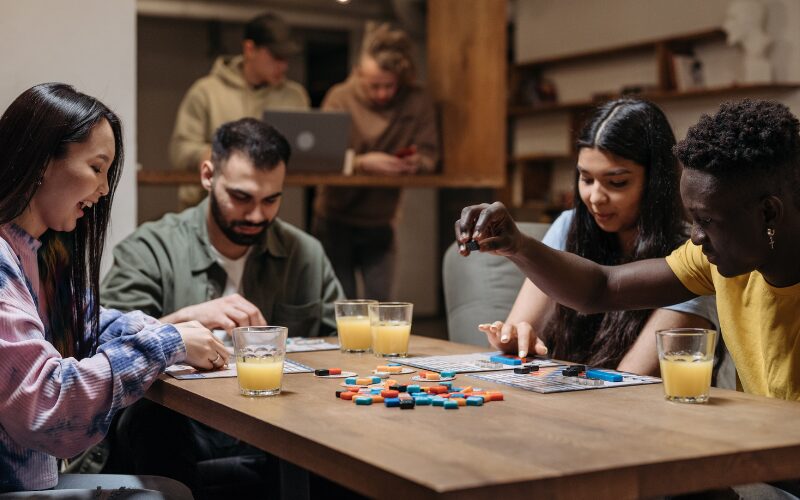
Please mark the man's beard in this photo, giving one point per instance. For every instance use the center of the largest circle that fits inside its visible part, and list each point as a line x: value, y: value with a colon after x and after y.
x: 228, y: 228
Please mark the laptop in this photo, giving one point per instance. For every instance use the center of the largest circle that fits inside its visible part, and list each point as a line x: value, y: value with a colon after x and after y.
x: 319, y: 139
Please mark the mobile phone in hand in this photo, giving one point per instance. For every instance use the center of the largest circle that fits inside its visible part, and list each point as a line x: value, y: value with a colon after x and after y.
x: 405, y: 152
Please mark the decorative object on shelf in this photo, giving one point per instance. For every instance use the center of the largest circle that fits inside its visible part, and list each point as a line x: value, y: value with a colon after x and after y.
x: 744, y: 25
x: 536, y: 91
x: 687, y: 72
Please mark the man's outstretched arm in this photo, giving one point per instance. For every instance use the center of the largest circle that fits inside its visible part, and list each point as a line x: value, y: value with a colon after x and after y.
x: 569, y: 279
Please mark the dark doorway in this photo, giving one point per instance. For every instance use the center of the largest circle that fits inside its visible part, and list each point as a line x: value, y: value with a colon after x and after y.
x: 327, y: 62
x: 327, y: 55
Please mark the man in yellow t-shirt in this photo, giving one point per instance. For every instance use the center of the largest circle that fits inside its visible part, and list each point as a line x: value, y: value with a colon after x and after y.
x: 760, y: 322
x: 741, y: 187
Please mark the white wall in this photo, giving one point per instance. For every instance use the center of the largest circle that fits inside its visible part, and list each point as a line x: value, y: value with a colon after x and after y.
x: 550, y: 28
x: 89, y: 44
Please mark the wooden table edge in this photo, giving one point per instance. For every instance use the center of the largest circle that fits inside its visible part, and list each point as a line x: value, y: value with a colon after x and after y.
x: 639, y: 480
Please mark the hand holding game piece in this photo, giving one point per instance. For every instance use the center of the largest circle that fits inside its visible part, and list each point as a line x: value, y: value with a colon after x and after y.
x: 377, y: 162
x: 491, y: 226
x: 407, y: 151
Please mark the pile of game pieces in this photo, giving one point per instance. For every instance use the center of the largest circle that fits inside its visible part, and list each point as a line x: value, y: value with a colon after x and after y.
x: 395, y: 395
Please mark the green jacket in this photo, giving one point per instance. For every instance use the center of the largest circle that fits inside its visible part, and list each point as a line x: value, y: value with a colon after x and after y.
x: 167, y: 265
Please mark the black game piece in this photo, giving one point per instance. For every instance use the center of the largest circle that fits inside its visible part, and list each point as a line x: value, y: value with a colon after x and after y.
x: 522, y: 370
x: 473, y: 246
x: 322, y: 372
x: 406, y: 404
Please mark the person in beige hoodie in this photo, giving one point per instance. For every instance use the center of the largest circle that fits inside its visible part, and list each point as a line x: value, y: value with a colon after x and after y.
x: 237, y: 87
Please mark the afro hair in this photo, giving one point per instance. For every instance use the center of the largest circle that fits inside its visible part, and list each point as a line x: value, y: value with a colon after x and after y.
x: 744, y: 138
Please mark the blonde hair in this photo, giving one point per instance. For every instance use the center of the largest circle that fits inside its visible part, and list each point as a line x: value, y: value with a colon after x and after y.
x: 391, y: 50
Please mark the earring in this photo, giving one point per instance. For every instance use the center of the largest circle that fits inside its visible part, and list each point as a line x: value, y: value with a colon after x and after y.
x: 771, y: 236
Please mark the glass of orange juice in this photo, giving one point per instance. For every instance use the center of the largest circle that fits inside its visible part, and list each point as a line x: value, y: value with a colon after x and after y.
x: 352, y: 322
x: 686, y: 357
x: 259, y: 354
x: 391, y: 328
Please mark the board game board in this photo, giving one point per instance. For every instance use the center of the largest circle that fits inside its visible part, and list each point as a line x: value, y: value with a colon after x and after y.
x: 293, y: 344
x: 186, y: 372
x: 550, y: 379
x: 306, y: 344
x: 465, y: 363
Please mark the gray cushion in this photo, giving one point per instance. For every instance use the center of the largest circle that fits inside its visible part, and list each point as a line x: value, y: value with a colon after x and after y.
x: 480, y: 288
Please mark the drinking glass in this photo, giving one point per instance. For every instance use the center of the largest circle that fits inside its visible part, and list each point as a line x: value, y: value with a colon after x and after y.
x: 259, y: 352
x: 686, y: 357
x: 352, y: 322
x: 391, y: 328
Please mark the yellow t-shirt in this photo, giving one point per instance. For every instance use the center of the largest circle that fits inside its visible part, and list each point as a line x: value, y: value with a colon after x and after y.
x: 760, y: 323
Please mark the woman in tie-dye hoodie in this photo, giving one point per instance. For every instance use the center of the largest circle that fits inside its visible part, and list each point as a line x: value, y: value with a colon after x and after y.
x: 67, y: 365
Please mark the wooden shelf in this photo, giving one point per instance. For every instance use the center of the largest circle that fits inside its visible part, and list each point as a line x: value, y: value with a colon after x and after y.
x: 692, y: 37
x: 175, y: 178
x: 665, y: 95
x: 534, y: 157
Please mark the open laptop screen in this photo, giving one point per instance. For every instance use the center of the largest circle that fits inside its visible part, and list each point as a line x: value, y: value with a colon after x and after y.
x: 319, y: 139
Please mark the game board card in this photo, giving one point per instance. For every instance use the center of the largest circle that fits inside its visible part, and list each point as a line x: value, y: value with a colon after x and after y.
x: 550, y: 379
x: 466, y: 363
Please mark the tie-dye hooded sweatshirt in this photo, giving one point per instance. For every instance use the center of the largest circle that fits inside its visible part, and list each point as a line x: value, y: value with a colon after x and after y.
x: 52, y: 406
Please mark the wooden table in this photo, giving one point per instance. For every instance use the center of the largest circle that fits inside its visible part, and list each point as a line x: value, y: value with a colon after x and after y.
x: 611, y: 443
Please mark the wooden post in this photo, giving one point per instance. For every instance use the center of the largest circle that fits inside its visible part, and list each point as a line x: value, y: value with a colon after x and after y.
x: 467, y: 76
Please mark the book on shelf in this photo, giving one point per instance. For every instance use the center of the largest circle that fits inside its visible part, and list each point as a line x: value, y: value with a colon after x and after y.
x: 687, y: 72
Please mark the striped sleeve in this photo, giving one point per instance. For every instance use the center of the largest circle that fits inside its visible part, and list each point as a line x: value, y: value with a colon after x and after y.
x: 61, y: 406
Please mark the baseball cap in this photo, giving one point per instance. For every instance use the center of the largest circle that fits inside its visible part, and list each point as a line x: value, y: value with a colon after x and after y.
x: 270, y: 31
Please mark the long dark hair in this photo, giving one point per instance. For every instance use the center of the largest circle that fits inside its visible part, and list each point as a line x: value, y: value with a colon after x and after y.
x: 638, y: 131
x: 37, y: 128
